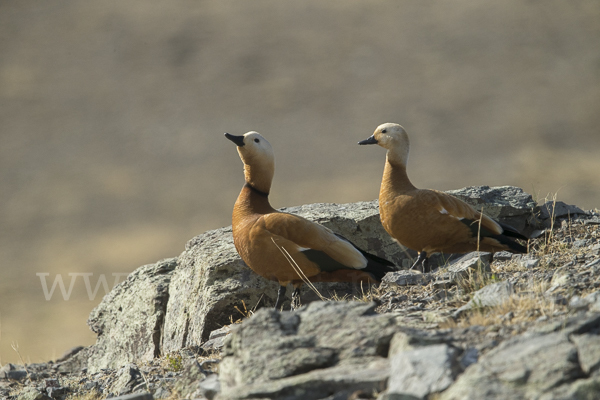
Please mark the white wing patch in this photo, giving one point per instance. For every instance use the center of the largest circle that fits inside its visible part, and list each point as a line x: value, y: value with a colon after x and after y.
x: 444, y: 211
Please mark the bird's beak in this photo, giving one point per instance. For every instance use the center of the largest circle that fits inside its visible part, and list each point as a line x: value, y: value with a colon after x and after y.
x: 370, y: 140
x: 238, y: 140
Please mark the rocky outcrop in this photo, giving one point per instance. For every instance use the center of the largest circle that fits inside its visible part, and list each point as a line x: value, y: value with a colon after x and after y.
x: 211, y: 281
x: 178, y: 302
x: 129, y: 320
x: 340, y: 348
x: 482, y: 326
x: 324, y: 348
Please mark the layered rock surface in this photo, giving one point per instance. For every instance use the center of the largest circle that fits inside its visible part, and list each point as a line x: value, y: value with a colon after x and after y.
x: 481, y: 326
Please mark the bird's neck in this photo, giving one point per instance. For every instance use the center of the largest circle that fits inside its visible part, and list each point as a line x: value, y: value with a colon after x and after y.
x: 252, y: 201
x: 395, y: 179
x: 259, y: 176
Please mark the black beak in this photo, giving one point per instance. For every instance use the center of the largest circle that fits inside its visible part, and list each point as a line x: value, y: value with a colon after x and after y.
x: 238, y: 140
x: 370, y: 140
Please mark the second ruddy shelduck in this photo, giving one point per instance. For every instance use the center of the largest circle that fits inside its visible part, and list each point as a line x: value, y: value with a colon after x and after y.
x: 270, y: 241
x: 429, y: 221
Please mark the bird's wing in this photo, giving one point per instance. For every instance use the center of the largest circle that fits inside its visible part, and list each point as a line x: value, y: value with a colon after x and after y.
x: 457, y: 208
x: 309, y: 235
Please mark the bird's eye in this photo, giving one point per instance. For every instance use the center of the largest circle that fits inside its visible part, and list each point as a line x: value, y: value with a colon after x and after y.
x: 256, y: 140
x: 383, y: 130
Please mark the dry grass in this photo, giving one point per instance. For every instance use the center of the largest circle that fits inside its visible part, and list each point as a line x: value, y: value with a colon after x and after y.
x: 244, y: 311
x: 526, y: 305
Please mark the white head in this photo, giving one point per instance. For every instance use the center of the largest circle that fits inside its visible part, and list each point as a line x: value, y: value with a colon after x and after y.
x: 258, y: 158
x: 392, y: 137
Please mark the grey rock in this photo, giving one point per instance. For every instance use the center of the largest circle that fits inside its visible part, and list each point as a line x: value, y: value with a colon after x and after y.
x: 423, y: 371
x: 403, y: 341
x: 469, y: 265
x: 595, y: 265
x: 33, y: 394
x: 497, y: 202
x: 129, y: 319
x: 162, y: 393
x: 69, y: 353
x: 320, y: 349
x: 581, y: 243
x: 176, y: 303
x: 469, y: 356
x: 188, y: 385
x: 406, y: 278
x: 489, y: 296
x: 577, y: 303
x: 135, y: 396
x: 211, y: 280
x: 216, y: 339
x: 502, y: 256
x: 11, y: 371
x: 519, y: 368
x: 581, y: 389
x: 529, y: 263
x: 507, y: 204
x: 588, y: 348
x: 593, y: 300
x: 558, y: 209
x: 343, y: 380
x: 210, y: 386
x: 127, y: 377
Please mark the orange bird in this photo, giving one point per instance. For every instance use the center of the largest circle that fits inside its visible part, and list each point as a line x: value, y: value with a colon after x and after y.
x: 263, y: 235
x: 430, y: 221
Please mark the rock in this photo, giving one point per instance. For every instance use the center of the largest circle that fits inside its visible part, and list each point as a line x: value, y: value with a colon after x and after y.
x: 69, y: 353
x: 343, y: 380
x: 469, y: 356
x: 588, y: 349
x: 577, y: 303
x: 135, y: 396
x: 502, y: 256
x: 507, y: 204
x: 127, y: 377
x: 211, y: 280
x: 529, y: 263
x: 216, y: 338
x: 423, y: 371
x: 578, y: 244
x: 196, y: 382
x: 176, y: 303
x: 210, y: 387
x: 11, y: 371
x: 489, y: 296
x: 33, y: 394
x: 322, y: 348
x: 592, y: 221
x: 129, y: 319
x: 593, y: 301
x: 581, y: 389
x: 522, y: 367
x: 469, y: 265
x: 403, y: 341
x: 558, y: 209
x: 406, y: 278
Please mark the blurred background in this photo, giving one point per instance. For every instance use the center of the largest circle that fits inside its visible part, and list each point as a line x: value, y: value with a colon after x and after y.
x: 112, y: 116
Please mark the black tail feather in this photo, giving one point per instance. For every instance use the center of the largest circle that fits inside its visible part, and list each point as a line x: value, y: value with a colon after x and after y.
x: 512, y: 232
x: 376, y: 266
x: 512, y: 245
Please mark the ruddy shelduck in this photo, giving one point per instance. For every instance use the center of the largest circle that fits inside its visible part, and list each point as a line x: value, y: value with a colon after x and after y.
x: 270, y: 242
x: 429, y: 221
